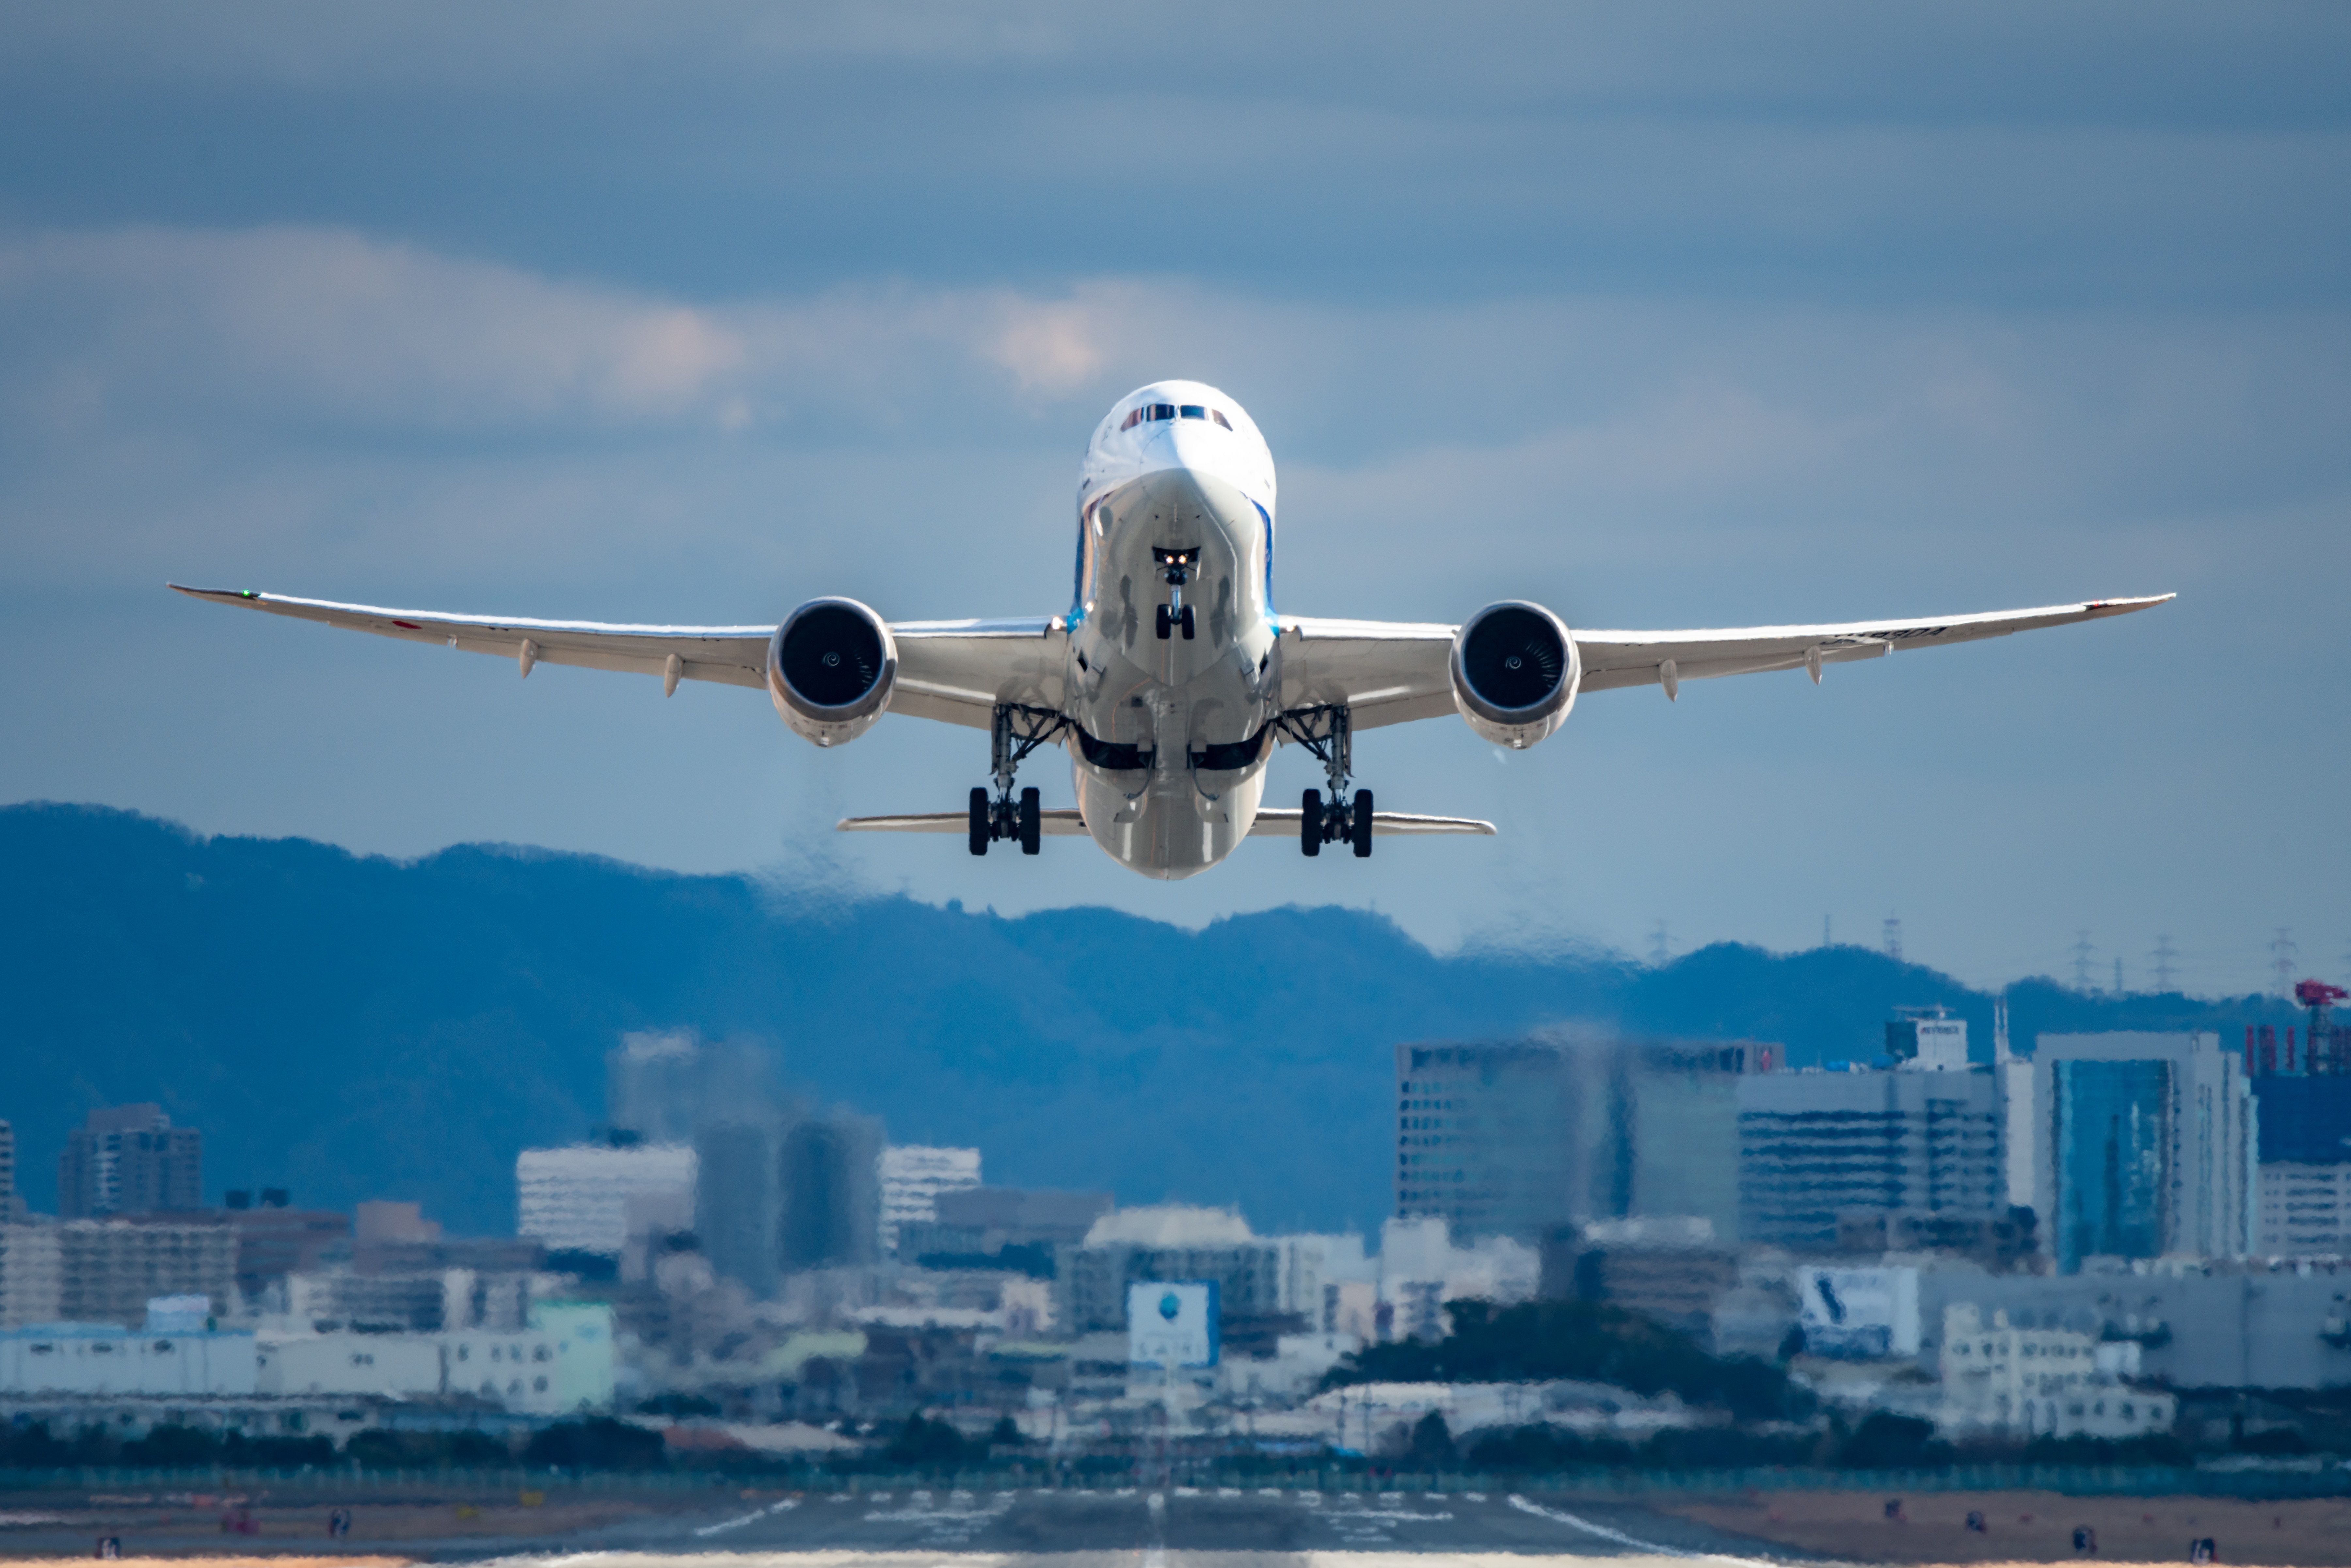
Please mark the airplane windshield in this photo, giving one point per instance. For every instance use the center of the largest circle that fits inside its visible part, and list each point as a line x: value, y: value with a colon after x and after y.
x: 1145, y: 413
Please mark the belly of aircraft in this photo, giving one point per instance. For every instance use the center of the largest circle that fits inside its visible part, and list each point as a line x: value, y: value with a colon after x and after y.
x: 1188, y: 704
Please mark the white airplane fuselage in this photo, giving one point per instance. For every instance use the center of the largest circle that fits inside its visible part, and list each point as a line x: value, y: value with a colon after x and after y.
x: 1174, y: 730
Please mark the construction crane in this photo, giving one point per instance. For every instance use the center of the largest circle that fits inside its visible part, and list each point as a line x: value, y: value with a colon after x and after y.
x: 2320, y: 999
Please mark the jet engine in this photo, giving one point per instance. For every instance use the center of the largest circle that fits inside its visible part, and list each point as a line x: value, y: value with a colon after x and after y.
x: 1515, y: 672
x: 831, y: 666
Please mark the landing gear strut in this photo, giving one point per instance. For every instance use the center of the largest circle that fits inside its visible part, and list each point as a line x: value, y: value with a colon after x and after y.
x: 1177, y: 565
x: 1016, y: 731
x: 1327, y: 733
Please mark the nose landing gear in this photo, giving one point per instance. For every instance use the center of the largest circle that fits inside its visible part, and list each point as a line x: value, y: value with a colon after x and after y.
x: 1327, y: 733
x: 1177, y: 565
x: 1016, y: 731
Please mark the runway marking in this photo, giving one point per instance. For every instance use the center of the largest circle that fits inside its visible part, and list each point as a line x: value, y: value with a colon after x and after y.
x: 726, y: 1524
x: 1574, y: 1521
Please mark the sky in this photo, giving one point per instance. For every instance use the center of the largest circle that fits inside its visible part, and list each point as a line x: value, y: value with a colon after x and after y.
x: 1664, y: 315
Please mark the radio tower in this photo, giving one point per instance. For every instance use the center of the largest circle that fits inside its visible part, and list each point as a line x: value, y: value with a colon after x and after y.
x: 2081, y: 951
x: 1660, y: 945
x: 1894, y: 937
x: 2283, y: 954
x: 2166, y: 959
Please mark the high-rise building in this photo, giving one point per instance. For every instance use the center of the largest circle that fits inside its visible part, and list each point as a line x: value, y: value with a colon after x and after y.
x: 912, y: 1177
x: 986, y: 1219
x: 738, y: 1214
x: 2146, y: 1144
x: 665, y: 1086
x: 1816, y: 1146
x: 581, y: 1198
x: 130, y: 1159
x: 1512, y: 1139
x: 831, y: 1198
x: 2305, y: 1165
x: 7, y: 1173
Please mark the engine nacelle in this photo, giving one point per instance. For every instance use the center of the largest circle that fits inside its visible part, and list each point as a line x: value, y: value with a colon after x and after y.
x: 831, y: 666
x: 1515, y: 672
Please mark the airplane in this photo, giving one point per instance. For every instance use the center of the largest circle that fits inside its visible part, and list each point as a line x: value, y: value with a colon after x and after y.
x: 1172, y: 679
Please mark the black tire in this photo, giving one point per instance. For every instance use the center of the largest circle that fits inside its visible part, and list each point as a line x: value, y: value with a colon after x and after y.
x: 1188, y: 622
x: 1162, y: 621
x: 1032, y: 822
x: 1310, y: 823
x: 1360, y: 833
x: 982, y: 829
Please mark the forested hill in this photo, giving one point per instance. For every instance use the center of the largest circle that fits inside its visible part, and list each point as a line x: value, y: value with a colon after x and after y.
x: 351, y: 1026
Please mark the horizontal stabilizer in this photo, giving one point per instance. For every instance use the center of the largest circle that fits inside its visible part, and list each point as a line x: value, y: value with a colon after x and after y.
x: 1284, y: 822
x: 1065, y: 822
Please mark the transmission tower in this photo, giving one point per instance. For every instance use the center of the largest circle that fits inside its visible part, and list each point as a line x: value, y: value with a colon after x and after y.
x: 1661, y: 944
x: 2081, y: 951
x: 1894, y: 937
x: 2119, y: 974
x: 2167, y: 959
x: 2282, y: 956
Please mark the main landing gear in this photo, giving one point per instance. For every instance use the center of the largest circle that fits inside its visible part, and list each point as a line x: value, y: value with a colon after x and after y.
x: 1326, y: 733
x: 1016, y: 732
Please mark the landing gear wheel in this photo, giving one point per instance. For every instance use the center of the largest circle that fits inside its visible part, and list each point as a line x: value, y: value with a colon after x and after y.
x: 982, y: 827
x: 1309, y: 823
x: 1163, y: 621
x: 1032, y: 822
x: 1359, y: 832
x: 1188, y: 622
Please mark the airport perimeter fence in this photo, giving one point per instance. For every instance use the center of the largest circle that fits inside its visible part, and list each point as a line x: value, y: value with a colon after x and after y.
x: 1203, y: 1477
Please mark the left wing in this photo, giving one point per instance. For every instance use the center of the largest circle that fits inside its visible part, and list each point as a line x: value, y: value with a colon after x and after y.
x: 955, y: 670
x: 1388, y: 671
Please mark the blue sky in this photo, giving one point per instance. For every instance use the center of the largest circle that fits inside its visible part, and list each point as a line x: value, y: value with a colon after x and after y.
x: 1661, y: 315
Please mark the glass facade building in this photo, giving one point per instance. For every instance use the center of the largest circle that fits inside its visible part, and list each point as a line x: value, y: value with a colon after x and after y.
x: 2112, y: 1129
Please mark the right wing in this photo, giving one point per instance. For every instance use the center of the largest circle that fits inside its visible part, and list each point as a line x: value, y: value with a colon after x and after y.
x: 954, y: 671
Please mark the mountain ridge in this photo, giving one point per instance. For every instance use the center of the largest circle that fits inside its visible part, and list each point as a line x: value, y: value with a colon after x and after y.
x: 352, y: 1026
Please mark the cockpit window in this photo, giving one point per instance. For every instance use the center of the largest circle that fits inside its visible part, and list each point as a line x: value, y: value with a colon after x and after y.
x: 1162, y: 411
x: 1142, y: 413
x: 1194, y: 411
x: 1134, y: 418
x: 1219, y: 415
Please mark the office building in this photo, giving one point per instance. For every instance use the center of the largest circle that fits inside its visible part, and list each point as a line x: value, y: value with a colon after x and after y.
x: 912, y: 1177
x: 1815, y: 1146
x: 1673, y: 1271
x: 108, y: 1270
x: 31, y: 1282
x: 2001, y: 1379
x: 980, y: 1221
x: 2305, y: 1165
x: 1167, y: 1244
x: 2145, y: 1145
x: 1512, y: 1139
x: 581, y: 1198
x: 1927, y: 1040
x: 275, y: 1239
x: 130, y: 1159
x: 831, y: 1198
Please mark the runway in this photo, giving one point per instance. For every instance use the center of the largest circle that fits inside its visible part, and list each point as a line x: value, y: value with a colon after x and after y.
x: 1138, y: 1527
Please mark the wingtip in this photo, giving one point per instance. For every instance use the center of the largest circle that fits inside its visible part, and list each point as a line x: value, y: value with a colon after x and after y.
x: 240, y: 595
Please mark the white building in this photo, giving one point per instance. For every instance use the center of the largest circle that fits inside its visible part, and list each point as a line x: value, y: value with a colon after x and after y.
x: 394, y: 1365
x: 581, y: 1198
x: 2305, y: 1209
x: 2033, y: 1382
x: 1311, y: 1264
x: 912, y: 1177
x: 109, y: 1359
x: 1420, y: 1269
